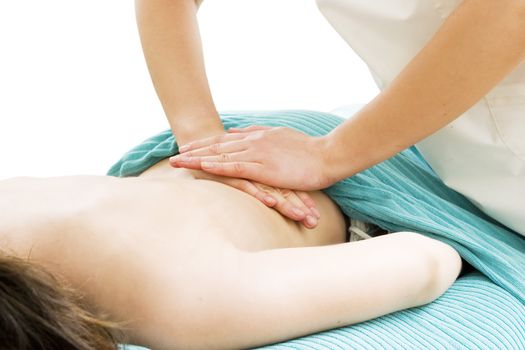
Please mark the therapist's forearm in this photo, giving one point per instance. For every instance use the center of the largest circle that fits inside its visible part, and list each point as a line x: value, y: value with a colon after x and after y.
x: 173, y: 51
x: 477, y: 46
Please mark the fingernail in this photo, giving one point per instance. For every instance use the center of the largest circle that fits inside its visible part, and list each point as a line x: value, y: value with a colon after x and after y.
x: 298, y: 212
x: 269, y: 200
x: 310, y: 220
x: 207, y: 165
x: 184, y: 148
x: 316, y: 212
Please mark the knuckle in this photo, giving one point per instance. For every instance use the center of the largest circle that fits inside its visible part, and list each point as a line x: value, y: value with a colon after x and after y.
x: 267, y: 189
x: 238, y: 168
x: 215, y: 148
x: 286, y: 193
x: 257, y: 135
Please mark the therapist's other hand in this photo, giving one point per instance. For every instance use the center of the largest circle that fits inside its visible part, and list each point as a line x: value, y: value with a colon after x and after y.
x: 276, y: 156
x: 296, y: 205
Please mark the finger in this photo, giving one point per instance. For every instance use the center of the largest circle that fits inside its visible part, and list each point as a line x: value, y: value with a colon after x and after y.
x: 210, y: 141
x: 290, y: 205
x: 264, y: 197
x: 218, y: 148
x: 184, y: 161
x: 293, y: 210
x: 309, y: 220
x: 242, y: 156
x: 249, y: 128
x: 309, y: 202
x: 287, y: 209
x: 247, y: 170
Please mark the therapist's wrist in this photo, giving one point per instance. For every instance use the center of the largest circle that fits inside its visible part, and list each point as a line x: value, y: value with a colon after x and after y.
x: 190, y: 127
x: 335, y: 160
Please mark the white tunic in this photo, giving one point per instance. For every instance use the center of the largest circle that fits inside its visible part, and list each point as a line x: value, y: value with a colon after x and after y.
x: 482, y: 153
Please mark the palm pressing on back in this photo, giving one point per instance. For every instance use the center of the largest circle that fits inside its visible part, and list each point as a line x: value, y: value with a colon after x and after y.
x: 276, y: 156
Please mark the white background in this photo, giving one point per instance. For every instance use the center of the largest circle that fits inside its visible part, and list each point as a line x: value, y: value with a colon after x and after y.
x: 75, y: 93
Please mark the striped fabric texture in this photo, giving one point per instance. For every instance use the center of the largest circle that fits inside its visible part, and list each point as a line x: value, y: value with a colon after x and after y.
x: 473, y: 314
x: 484, y: 310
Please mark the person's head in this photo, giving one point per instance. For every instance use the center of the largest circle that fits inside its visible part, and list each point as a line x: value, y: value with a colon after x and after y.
x: 38, y: 312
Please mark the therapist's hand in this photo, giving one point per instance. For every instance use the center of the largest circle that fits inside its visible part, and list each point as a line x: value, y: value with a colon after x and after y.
x: 276, y: 156
x: 296, y: 205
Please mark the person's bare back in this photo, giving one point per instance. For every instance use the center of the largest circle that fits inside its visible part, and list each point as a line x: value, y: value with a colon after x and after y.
x: 191, y: 263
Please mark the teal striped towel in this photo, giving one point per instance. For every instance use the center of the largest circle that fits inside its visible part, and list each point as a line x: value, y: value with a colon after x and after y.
x: 404, y: 194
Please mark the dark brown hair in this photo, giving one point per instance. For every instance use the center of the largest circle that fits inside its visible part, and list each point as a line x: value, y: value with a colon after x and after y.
x: 39, y: 312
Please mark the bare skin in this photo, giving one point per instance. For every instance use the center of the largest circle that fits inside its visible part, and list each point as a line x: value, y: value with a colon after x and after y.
x: 196, y: 264
x: 478, y: 45
x: 172, y: 47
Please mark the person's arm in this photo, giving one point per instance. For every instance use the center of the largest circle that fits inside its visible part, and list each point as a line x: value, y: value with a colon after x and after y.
x: 173, y: 50
x: 274, y: 295
x: 477, y: 46
x: 172, y: 47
